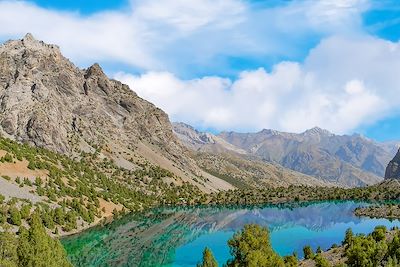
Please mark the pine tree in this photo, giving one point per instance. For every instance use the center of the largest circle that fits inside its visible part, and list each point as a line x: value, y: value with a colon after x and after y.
x: 308, y: 252
x: 208, y: 259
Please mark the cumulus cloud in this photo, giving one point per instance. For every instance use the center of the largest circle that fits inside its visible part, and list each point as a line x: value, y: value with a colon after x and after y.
x: 341, y: 84
x: 344, y: 83
x: 181, y: 36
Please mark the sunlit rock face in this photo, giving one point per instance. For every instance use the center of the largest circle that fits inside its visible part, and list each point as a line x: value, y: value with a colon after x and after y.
x: 393, y: 170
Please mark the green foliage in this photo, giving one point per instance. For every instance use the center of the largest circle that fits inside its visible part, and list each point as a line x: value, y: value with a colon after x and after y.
x: 348, y: 237
x: 371, y: 250
x: 208, y: 259
x: 320, y: 261
x: 308, y: 252
x: 6, y: 177
x: 15, y: 216
x: 291, y: 261
x: 36, y: 248
x: 7, y: 158
x: 252, y: 247
x: 25, y: 211
x: 8, y: 249
x: 31, y: 248
x: 379, y: 233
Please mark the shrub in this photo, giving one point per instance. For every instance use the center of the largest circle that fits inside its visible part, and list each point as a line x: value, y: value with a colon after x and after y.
x: 308, y: 252
x: 252, y: 247
x: 208, y: 259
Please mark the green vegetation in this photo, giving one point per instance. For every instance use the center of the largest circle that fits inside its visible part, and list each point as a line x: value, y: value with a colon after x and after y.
x: 76, y: 186
x: 72, y: 190
x: 375, y: 249
x: 208, y: 259
x: 252, y: 247
x: 233, y: 181
x: 320, y: 261
x: 31, y: 247
x: 308, y: 252
x: 304, y: 193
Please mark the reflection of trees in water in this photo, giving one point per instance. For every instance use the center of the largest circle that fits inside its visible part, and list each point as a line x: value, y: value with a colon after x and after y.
x: 151, y: 238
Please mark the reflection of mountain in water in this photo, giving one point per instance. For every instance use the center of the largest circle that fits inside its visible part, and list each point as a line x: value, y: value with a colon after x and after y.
x: 150, y: 239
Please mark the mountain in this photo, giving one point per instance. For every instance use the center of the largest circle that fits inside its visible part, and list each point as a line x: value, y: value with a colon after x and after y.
x: 201, y: 141
x: 46, y: 101
x: 347, y: 160
x: 235, y: 165
x: 393, y: 170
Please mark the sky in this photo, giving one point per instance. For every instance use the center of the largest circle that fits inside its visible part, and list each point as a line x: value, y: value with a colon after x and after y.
x: 241, y: 65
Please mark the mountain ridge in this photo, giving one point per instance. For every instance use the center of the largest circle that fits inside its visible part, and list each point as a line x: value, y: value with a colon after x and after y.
x: 46, y: 101
x: 349, y: 160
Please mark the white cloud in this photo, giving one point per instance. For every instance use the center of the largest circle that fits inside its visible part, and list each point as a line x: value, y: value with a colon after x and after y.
x: 342, y: 84
x: 179, y: 35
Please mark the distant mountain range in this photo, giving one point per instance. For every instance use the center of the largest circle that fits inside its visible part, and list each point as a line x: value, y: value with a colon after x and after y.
x: 346, y: 160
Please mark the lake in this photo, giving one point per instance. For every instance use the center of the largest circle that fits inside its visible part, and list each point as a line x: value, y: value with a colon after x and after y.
x: 177, y: 236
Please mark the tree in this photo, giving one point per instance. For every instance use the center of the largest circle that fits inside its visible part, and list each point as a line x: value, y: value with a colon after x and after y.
x: 15, y: 216
x: 208, y: 259
x: 37, y: 248
x: 291, y: 261
x: 364, y: 251
x: 320, y: 261
x: 379, y: 233
x: 8, y: 249
x: 308, y: 252
x: 251, y: 247
x: 348, y: 237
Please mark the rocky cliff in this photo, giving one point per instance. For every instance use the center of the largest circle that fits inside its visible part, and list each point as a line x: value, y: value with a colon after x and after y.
x: 47, y: 101
x: 393, y: 168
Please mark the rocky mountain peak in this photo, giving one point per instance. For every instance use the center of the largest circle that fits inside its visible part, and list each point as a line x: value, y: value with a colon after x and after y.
x: 393, y: 168
x: 29, y: 38
x: 45, y: 100
x: 270, y: 132
x: 317, y: 131
x: 94, y: 70
x: 30, y: 43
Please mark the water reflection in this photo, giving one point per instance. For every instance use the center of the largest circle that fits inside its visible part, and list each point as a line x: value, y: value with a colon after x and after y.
x: 176, y: 236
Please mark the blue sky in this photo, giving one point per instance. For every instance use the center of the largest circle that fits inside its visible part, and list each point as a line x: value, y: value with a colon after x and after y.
x: 236, y: 64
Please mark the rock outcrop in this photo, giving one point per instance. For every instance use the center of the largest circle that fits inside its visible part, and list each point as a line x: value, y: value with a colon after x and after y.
x: 393, y: 168
x: 47, y: 101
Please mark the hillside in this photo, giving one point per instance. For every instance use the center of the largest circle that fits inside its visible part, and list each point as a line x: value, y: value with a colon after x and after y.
x: 48, y: 102
x: 235, y: 165
x: 339, y: 159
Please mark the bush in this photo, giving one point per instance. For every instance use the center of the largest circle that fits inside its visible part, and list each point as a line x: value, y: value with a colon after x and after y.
x: 252, y: 247
x: 320, y: 261
x: 308, y: 252
x: 379, y: 233
x: 291, y: 261
x: 208, y: 259
x: 7, y: 158
x: 15, y: 216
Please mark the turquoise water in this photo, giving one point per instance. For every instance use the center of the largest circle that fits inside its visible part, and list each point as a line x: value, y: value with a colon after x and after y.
x: 177, y: 236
